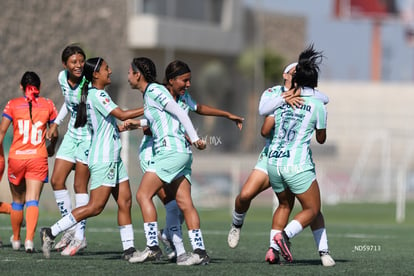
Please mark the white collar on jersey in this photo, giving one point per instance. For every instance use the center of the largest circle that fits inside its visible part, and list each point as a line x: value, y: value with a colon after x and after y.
x: 307, y: 91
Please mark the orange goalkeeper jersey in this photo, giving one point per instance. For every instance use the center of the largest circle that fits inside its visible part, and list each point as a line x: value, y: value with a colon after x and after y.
x: 29, y: 134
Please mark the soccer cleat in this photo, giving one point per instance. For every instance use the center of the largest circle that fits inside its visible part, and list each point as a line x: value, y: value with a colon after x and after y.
x: 283, y: 242
x: 189, y: 259
x: 326, y: 259
x: 65, y: 240
x: 169, y: 248
x: 47, y: 241
x: 205, y: 259
x: 29, y: 246
x: 152, y: 253
x: 234, y: 236
x: 272, y: 256
x: 74, y: 247
x: 15, y: 243
x: 127, y: 254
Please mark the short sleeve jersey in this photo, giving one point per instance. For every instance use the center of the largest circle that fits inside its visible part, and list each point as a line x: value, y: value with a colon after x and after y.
x: 146, y: 147
x: 165, y: 128
x: 268, y: 95
x: 71, y: 95
x: 29, y: 134
x: 106, y: 141
x: 293, y: 132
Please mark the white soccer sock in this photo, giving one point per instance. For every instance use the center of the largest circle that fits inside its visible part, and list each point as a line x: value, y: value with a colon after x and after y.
x: 151, y: 230
x: 127, y: 236
x: 81, y: 200
x: 273, y: 244
x: 196, y: 239
x: 321, y: 239
x: 293, y: 228
x: 63, y: 224
x: 177, y: 239
x: 173, y: 226
x: 238, y: 219
x: 63, y: 201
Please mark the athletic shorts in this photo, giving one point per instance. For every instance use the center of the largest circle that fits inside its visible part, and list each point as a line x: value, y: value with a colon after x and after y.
x: 144, y: 158
x: 74, y: 150
x: 169, y: 165
x: 34, y: 168
x: 261, y: 164
x: 297, y: 178
x: 145, y: 152
x: 107, y: 174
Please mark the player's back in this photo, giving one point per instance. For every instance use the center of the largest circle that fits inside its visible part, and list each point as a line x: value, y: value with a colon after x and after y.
x: 29, y: 132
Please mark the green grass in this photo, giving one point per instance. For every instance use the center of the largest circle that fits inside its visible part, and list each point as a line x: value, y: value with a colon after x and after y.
x: 364, y: 240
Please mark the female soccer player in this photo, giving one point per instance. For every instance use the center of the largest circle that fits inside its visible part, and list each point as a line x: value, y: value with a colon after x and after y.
x: 258, y: 180
x: 27, y: 161
x: 108, y: 174
x: 72, y: 152
x: 178, y: 81
x: 170, y: 167
x: 290, y: 166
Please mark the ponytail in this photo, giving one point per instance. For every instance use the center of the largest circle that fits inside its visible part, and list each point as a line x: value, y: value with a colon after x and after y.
x: 147, y: 68
x: 307, y: 69
x: 31, y: 86
x: 91, y: 65
x: 81, y: 115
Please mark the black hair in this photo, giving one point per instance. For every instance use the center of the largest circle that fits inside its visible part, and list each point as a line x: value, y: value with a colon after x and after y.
x: 30, y: 81
x: 146, y: 67
x: 174, y: 69
x: 307, y: 70
x: 71, y: 50
x: 91, y: 65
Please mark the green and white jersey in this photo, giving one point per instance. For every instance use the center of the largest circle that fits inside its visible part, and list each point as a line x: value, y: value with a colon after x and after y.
x: 72, y: 98
x: 271, y: 94
x: 106, y: 141
x: 293, y: 131
x: 165, y: 128
x: 187, y: 103
x: 146, y: 151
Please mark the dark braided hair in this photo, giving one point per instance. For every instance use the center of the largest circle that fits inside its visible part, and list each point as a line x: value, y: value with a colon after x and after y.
x: 146, y: 67
x: 31, y: 85
x: 307, y: 70
x: 91, y: 65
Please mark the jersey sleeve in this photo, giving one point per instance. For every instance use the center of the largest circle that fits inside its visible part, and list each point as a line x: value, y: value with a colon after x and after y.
x: 159, y: 96
x: 103, y: 102
x: 52, y: 111
x: 62, y: 114
x: 321, y: 96
x: 8, y: 110
x: 321, y: 117
x: 192, y: 104
x: 270, y: 100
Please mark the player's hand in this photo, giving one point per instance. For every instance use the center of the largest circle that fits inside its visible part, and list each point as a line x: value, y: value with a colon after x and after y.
x: 238, y: 120
x: 200, y: 144
x: 52, y: 132
x: 293, y: 99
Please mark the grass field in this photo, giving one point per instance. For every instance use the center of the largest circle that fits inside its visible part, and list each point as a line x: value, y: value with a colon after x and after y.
x: 364, y: 240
